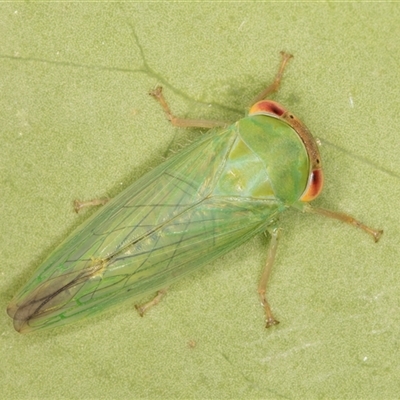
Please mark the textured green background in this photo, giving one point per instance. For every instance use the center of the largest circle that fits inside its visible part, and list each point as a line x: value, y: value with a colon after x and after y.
x: 76, y: 122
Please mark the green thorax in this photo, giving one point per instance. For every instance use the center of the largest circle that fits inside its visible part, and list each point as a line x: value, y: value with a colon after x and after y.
x: 267, y: 161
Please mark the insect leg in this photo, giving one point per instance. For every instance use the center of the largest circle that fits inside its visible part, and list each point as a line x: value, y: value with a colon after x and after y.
x: 274, y: 86
x: 143, y: 308
x: 348, y: 219
x: 78, y: 205
x: 182, y: 122
x: 262, y: 286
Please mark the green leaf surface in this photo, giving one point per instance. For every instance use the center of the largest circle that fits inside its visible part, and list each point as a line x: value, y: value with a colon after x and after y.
x: 77, y: 122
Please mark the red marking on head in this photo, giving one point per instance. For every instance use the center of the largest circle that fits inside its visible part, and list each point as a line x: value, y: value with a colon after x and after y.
x: 314, y: 185
x: 268, y: 107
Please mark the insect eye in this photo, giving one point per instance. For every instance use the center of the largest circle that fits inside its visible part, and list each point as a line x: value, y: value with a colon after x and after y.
x: 314, y: 185
x: 267, y: 107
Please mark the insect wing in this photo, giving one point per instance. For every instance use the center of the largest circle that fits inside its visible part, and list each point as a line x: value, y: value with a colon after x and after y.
x: 160, y: 228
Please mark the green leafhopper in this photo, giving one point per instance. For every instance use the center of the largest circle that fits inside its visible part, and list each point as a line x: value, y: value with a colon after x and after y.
x: 227, y: 186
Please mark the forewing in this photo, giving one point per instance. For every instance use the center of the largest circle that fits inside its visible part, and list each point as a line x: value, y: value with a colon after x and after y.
x: 162, y: 227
